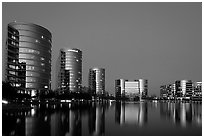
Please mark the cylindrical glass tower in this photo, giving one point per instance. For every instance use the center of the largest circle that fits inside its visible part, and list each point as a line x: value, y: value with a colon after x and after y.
x: 143, y: 87
x: 70, y: 66
x: 97, y: 81
x: 29, y: 57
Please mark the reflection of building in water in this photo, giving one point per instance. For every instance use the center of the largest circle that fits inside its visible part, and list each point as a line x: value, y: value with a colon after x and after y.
x: 131, y: 89
x: 181, y: 113
x: 75, y: 123
x: 131, y: 113
x: 59, y: 124
x: 14, y: 123
x: 37, y: 124
x: 97, y: 121
x: 183, y: 88
x: 197, y: 113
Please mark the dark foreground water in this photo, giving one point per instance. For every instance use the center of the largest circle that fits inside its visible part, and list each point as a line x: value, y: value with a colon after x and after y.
x: 147, y: 118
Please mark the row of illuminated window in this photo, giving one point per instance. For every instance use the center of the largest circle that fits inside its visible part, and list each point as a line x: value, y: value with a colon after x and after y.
x: 36, y: 85
x: 29, y: 45
x: 14, y: 67
x: 34, y: 40
x: 13, y: 43
x: 28, y: 56
x: 30, y: 73
x: 33, y: 34
x: 14, y: 37
x: 38, y: 80
x: 26, y: 50
x: 27, y: 68
x: 31, y: 62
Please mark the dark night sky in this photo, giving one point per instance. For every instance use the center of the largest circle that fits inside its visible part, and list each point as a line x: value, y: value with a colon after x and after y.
x: 161, y: 42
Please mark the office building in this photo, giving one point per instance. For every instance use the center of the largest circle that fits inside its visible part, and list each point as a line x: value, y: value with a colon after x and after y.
x: 167, y: 91
x: 143, y: 87
x: 197, y: 90
x: 69, y: 70
x: 183, y: 88
x: 163, y: 92
x: 97, y: 81
x: 29, y: 58
x: 119, y: 88
x: 131, y: 89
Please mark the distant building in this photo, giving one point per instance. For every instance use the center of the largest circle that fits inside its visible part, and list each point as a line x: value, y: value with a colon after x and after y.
x: 163, y: 92
x: 166, y: 91
x: 181, y: 89
x: 29, y: 58
x: 143, y: 87
x: 197, y: 90
x: 97, y: 81
x: 119, y: 88
x: 69, y: 70
x: 131, y: 89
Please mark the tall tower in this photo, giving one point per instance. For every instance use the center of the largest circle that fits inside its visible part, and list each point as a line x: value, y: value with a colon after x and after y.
x: 70, y: 70
x: 143, y: 87
x: 97, y: 81
x: 29, y: 58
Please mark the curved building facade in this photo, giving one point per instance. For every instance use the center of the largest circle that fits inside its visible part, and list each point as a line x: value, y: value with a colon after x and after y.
x: 143, y: 87
x: 70, y: 72
x: 29, y: 57
x: 97, y: 81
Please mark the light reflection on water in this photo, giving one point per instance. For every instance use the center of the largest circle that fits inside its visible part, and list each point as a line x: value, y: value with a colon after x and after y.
x: 146, y: 118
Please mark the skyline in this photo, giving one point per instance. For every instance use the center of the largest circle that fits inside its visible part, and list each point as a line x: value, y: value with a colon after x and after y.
x: 163, y: 40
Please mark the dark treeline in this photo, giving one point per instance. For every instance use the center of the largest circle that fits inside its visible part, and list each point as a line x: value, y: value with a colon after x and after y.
x: 9, y: 92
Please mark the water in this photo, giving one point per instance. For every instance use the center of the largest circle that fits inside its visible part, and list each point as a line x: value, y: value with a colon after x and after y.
x: 111, y: 119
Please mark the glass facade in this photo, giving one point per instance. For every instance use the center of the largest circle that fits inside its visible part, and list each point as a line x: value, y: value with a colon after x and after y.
x: 69, y: 70
x: 29, y: 57
x: 197, y: 90
x: 143, y: 87
x: 182, y: 89
x: 97, y: 81
x: 131, y: 89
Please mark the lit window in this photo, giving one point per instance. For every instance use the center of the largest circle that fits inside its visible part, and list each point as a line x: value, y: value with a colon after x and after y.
x: 12, y: 72
x: 42, y: 58
x: 11, y: 66
x: 42, y: 64
x: 42, y: 36
x: 36, y: 41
